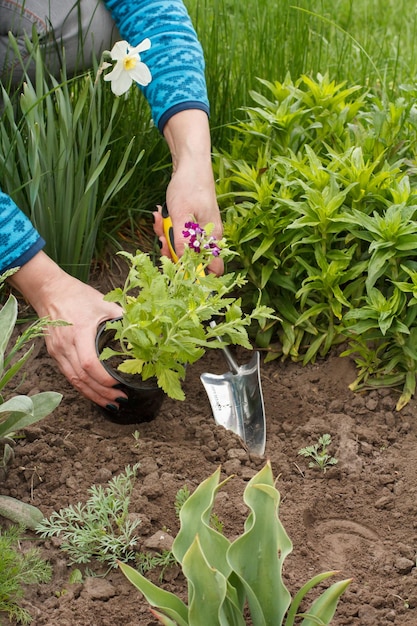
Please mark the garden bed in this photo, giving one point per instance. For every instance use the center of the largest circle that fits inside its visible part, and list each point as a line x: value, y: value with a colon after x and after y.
x: 358, y: 517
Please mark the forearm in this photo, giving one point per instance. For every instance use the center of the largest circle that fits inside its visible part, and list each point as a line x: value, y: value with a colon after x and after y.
x: 188, y: 137
x: 175, y: 58
x: 38, y: 281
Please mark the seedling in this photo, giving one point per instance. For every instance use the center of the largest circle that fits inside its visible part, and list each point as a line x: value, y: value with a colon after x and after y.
x: 319, y: 454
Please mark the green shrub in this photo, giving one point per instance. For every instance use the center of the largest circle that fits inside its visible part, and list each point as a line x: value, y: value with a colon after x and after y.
x: 319, y: 194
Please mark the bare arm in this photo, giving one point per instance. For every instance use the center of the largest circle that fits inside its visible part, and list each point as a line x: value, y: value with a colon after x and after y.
x: 54, y: 293
x: 191, y: 191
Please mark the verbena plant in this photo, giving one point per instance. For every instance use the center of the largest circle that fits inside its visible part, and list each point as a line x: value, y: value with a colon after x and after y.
x: 166, y: 312
x: 224, y: 577
x: 53, y: 158
x: 319, y: 194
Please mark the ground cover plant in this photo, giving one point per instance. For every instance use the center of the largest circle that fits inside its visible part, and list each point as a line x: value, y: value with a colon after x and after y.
x: 99, y: 529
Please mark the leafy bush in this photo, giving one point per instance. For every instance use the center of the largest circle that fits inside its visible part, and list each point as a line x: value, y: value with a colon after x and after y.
x: 319, y: 194
x: 224, y: 576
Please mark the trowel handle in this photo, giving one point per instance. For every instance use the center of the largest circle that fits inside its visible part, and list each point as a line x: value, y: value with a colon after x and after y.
x: 234, y: 367
x: 168, y: 231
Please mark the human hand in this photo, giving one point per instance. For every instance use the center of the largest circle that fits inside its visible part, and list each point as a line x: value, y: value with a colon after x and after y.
x: 191, y: 191
x: 57, y: 295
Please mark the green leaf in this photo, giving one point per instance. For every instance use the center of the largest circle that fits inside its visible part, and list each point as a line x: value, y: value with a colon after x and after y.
x: 163, y: 600
x: 22, y: 411
x: 207, y: 587
x: 8, y: 317
x: 195, y: 516
x: 266, y: 538
x: 325, y: 606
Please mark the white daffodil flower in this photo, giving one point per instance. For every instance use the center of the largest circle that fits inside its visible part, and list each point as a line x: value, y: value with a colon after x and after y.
x: 128, y: 67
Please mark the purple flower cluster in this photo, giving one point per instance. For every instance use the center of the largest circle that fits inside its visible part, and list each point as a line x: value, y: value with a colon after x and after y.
x: 198, y: 239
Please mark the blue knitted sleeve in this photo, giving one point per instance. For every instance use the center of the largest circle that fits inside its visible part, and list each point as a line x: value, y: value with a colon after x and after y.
x: 175, y: 57
x: 19, y: 241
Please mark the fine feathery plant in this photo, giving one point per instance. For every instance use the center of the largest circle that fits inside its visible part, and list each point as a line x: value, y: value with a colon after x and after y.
x: 223, y: 576
x: 18, y: 568
x: 100, y: 529
x: 319, y: 453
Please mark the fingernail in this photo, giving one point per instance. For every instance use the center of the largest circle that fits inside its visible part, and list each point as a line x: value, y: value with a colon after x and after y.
x: 159, y: 243
x: 122, y: 400
x: 118, y: 386
x: 111, y: 407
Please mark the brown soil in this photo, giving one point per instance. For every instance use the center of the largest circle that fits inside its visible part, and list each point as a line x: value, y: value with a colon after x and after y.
x: 357, y: 518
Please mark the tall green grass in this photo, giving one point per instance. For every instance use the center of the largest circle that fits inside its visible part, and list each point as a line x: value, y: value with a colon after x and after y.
x: 360, y: 41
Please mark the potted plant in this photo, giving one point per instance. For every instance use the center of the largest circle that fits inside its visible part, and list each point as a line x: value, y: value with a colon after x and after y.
x: 165, y: 322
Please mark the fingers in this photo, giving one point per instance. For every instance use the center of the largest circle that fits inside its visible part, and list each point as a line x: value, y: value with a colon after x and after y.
x: 216, y: 266
x: 76, y: 358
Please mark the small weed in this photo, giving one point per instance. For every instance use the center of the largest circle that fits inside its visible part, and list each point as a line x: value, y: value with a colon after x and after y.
x: 99, y: 529
x: 148, y: 561
x: 18, y: 568
x: 136, y: 437
x: 180, y: 497
x: 319, y: 454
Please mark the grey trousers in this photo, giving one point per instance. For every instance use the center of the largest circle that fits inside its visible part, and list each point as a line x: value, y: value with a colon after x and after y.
x: 83, y: 28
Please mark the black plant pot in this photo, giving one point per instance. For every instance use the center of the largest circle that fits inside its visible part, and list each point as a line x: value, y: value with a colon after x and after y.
x: 145, y: 398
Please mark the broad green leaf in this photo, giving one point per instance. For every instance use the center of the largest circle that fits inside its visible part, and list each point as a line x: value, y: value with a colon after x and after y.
x: 300, y: 595
x: 22, y: 411
x: 264, y: 537
x: 325, y: 606
x: 195, y: 517
x: 207, y: 587
x: 163, y: 600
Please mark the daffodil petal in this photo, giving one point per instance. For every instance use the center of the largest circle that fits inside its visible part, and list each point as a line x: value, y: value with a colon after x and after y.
x: 115, y: 73
x: 122, y: 84
x: 119, y: 50
x: 141, y: 74
x: 144, y: 45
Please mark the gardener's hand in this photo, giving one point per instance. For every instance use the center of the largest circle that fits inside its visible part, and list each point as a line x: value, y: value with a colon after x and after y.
x: 191, y: 192
x: 55, y: 294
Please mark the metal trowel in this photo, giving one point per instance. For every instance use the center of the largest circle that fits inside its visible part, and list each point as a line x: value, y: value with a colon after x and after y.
x: 237, y: 402
x: 235, y: 397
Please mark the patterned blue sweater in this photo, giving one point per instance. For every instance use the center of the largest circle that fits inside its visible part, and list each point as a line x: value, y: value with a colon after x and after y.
x: 176, y: 62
